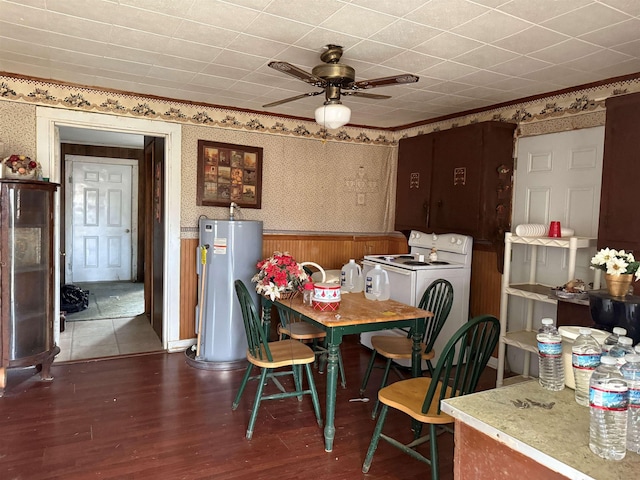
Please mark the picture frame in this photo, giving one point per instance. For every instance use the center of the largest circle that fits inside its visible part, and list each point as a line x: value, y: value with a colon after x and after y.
x: 229, y: 173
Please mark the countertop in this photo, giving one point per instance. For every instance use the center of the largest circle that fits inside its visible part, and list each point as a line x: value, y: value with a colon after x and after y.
x: 557, y: 438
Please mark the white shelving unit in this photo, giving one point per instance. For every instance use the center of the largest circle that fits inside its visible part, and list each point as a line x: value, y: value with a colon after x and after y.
x: 532, y: 292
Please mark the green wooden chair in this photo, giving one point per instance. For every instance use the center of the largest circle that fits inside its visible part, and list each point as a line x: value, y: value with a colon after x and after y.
x: 463, y: 359
x: 269, y: 356
x: 437, y: 298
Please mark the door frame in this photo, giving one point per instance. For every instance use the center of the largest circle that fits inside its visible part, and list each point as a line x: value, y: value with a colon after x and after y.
x: 68, y: 204
x: 48, y: 154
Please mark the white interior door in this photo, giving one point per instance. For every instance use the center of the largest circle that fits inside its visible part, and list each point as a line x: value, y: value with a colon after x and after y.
x: 557, y: 177
x: 101, y: 220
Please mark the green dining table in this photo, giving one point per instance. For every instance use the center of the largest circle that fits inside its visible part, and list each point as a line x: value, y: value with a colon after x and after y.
x: 356, y: 314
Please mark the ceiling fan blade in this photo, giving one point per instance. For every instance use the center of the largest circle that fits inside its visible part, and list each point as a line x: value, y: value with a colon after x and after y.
x: 384, y: 81
x: 294, y: 71
x: 366, y: 95
x: 291, y: 99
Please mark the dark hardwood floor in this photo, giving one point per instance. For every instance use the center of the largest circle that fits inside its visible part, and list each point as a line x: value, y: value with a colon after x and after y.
x: 155, y: 417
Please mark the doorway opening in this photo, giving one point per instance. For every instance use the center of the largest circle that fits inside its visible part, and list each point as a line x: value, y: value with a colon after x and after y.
x: 165, y: 152
x: 104, y: 238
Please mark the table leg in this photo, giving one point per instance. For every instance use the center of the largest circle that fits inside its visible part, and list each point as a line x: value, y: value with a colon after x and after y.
x: 332, y: 388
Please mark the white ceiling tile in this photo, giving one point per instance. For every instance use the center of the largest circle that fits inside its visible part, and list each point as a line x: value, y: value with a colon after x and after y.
x: 169, y: 74
x: 565, y: 51
x: 449, y: 87
x: 626, y: 68
x: 191, y: 50
x: 586, y: 19
x: 373, y: 52
x: 631, y: 48
x: 530, y: 40
x: 447, y: 14
x: 611, y: 36
x: 240, y: 60
x: 520, y: 66
x: 318, y: 37
x: 257, y: 46
x: 491, y: 26
x: 554, y: 74
x: 630, y: 7
x: 225, y: 71
x: 447, y: 45
x: 397, y: 8
x: 166, y: 7
x: 276, y: 28
x: 197, y: 32
x: 448, y: 70
x: 405, y: 34
x: 369, y: 21
x: 225, y: 15
x: 597, y: 60
x: 311, y: 12
x: 485, y: 57
x: 411, y: 61
x: 540, y: 10
x: 482, y: 77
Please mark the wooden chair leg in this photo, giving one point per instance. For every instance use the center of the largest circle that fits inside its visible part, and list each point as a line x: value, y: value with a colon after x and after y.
x: 256, y: 403
x: 435, y: 472
x: 314, y: 394
x: 375, y: 439
x: 385, y: 376
x: 245, y: 379
x: 367, y: 374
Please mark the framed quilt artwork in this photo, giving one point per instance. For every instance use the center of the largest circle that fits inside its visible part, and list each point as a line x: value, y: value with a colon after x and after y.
x: 229, y: 173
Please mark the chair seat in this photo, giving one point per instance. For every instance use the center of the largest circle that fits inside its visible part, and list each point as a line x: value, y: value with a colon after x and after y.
x: 397, y: 347
x: 408, y: 397
x: 284, y: 353
x: 302, y: 331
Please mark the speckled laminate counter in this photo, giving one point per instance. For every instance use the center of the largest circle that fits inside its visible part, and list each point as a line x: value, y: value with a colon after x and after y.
x: 556, y: 438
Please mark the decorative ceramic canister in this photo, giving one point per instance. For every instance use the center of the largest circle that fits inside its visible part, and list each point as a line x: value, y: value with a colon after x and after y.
x: 326, y: 296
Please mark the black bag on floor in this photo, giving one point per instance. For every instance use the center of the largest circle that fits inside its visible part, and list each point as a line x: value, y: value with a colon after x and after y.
x: 73, y: 298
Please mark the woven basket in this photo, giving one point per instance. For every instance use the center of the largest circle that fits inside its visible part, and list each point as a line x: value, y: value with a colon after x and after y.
x: 288, y: 295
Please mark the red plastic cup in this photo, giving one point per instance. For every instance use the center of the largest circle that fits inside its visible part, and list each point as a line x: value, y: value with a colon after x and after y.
x: 554, y: 230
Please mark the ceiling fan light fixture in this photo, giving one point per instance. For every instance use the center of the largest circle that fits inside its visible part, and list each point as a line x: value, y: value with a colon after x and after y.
x: 333, y: 115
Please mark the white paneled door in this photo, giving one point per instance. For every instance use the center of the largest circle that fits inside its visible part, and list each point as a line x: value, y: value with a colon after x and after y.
x: 101, y: 221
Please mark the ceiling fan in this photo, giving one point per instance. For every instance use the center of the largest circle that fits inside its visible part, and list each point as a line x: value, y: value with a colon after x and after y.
x: 336, y: 79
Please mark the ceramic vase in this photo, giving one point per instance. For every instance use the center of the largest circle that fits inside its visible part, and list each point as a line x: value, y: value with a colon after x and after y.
x: 618, y: 285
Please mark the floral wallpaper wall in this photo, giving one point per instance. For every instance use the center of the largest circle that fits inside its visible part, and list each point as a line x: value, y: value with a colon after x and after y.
x: 313, y: 180
x: 307, y: 185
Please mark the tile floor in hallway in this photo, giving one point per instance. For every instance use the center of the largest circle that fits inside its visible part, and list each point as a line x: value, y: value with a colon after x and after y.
x: 107, y: 337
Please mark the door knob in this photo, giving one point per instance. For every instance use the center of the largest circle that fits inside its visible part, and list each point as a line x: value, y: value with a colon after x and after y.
x: 127, y: 231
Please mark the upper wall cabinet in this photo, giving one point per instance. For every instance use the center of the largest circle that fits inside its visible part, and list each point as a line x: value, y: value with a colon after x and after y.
x: 414, y: 183
x: 469, y: 172
x: 619, y: 225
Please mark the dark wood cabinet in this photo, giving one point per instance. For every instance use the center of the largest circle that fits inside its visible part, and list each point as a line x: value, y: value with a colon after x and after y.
x: 26, y: 276
x: 469, y: 177
x: 619, y: 225
x: 413, y: 184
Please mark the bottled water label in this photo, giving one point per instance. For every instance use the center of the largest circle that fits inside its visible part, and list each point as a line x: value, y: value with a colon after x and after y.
x: 550, y: 349
x: 369, y: 285
x: 634, y: 398
x: 613, y: 398
x: 587, y: 361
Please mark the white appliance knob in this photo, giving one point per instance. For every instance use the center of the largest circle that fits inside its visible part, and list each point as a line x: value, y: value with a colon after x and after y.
x: 435, y: 237
x: 415, y: 235
x: 453, y: 240
x: 459, y: 242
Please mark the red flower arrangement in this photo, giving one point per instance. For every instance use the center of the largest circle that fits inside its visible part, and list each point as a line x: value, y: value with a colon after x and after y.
x: 279, y: 273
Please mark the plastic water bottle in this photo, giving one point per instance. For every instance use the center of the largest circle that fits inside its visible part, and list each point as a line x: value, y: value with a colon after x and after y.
x: 377, y: 284
x: 551, y: 367
x: 624, y: 347
x: 631, y: 373
x: 585, y: 357
x: 307, y: 294
x: 615, y: 336
x: 608, y: 405
x: 351, y: 277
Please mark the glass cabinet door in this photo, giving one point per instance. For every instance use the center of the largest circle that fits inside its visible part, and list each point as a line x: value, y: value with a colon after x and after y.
x: 27, y: 270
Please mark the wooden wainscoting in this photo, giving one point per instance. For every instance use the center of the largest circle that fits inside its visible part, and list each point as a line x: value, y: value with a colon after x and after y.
x: 328, y: 251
